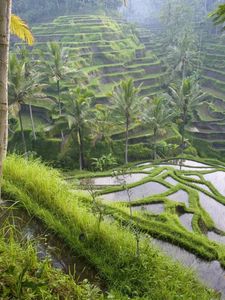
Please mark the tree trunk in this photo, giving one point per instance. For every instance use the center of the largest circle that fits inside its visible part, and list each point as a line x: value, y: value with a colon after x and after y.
x: 59, y: 105
x: 32, y: 122
x: 126, y: 139
x: 22, y: 134
x: 154, y: 141
x: 81, y: 151
x: 59, y: 100
x: 5, y: 15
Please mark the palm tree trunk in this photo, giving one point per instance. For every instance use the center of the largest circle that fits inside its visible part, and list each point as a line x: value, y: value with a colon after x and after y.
x: 59, y: 100
x: 5, y: 15
x: 32, y: 122
x: 154, y: 141
x: 183, y: 128
x: 22, y: 133
x: 59, y: 104
x: 126, y: 139
x: 81, y: 150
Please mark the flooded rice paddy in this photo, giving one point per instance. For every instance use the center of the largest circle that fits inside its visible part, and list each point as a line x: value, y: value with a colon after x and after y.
x: 138, y: 192
x: 155, y: 208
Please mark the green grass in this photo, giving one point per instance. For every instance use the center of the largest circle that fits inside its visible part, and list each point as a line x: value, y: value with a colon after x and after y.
x: 24, y: 276
x: 107, y: 246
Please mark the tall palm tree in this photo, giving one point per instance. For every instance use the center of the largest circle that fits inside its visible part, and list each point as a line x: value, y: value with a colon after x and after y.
x: 22, y: 88
x: 76, y: 111
x: 18, y: 28
x: 184, y: 56
x: 102, y: 125
x: 54, y: 66
x: 33, y: 80
x: 126, y: 102
x: 185, y: 98
x: 158, y: 115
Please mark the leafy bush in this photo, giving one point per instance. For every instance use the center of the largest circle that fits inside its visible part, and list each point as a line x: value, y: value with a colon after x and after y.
x: 139, y: 152
x: 104, y: 162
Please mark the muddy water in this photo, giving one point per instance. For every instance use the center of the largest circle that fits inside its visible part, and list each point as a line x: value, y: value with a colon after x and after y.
x: 118, y: 180
x: 215, y: 209
x: 180, y: 196
x: 210, y: 273
x: 139, y: 192
x: 218, y: 180
x: 48, y: 245
x: 186, y: 220
x: 156, y: 208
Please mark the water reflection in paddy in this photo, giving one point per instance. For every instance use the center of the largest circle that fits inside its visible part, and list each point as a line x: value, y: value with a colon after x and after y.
x: 195, y: 177
x: 186, y: 162
x: 215, y: 209
x: 210, y: 273
x: 156, y: 208
x: 170, y: 180
x: 203, y: 186
x: 216, y: 237
x: 180, y: 196
x: 185, y: 168
x: 186, y: 220
x: 115, y: 180
x: 218, y: 180
x: 138, y: 192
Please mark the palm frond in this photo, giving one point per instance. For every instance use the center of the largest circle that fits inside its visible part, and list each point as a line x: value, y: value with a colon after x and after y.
x: 21, y: 30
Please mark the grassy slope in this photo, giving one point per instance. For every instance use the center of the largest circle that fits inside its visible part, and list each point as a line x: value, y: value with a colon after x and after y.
x: 108, y: 247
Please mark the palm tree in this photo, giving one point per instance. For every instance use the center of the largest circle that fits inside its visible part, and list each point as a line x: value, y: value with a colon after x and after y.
x: 183, y: 57
x: 19, y: 28
x: 185, y: 98
x: 76, y: 111
x: 33, y: 80
x: 102, y: 125
x: 218, y: 15
x: 126, y: 102
x: 55, y: 68
x: 158, y: 115
x: 22, y: 88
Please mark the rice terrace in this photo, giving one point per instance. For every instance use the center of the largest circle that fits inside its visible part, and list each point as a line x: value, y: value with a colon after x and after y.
x: 112, y: 149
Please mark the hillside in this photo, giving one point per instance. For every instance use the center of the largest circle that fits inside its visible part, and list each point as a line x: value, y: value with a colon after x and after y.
x: 207, y: 130
x: 105, y: 51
